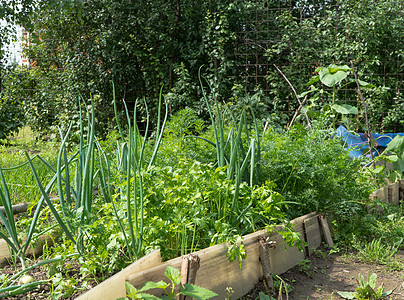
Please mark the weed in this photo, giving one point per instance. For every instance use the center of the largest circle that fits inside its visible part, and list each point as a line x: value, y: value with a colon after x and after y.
x: 304, y: 267
x: 366, y: 289
x: 377, y: 252
x: 173, y: 275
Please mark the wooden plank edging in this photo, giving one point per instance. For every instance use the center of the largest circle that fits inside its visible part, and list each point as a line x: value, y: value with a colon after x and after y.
x: 393, y: 193
x: 32, y: 249
x: 217, y: 273
x: 114, y: 287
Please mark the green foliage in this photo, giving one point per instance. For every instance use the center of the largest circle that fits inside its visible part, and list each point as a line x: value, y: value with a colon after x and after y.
x: 336, y: 77
x: 173, y: 275
x: 312, y: 170
x: 366, y: 290
x: 189, y: 206
x: 378, y: 252
x: 11, y: 109
x: 318, y: 35
x: 143, y: 47
x: 389, y: 164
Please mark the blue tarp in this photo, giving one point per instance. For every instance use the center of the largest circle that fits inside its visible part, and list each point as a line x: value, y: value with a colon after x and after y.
x: 358, y: 143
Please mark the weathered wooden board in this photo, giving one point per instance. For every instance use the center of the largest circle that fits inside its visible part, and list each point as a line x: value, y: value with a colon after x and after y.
x: 284, y: 257
x: 394, y: 193
x: 401, y: 190
x: 326, y: 230
x: 215, y: 272
x: 114, y: 287
x: 36, y: 249
x: 313, y: 233
x: 381, y: 194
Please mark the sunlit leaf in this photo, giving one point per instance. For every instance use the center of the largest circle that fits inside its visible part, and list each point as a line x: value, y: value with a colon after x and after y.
x: 345, y: 109
x: 197, y: 292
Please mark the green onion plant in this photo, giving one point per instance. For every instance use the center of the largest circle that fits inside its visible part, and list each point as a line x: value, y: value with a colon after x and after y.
x: 235, y: 152
x: 75, y: 194
x: 131, y: 162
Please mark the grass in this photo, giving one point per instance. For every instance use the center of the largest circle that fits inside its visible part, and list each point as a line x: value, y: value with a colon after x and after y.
x: 21, y: 184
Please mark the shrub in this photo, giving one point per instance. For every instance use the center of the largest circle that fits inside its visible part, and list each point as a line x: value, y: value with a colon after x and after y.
x: 314, y: 171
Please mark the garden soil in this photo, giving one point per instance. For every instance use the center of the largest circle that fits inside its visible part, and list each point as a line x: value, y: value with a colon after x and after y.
x: 324, y: 275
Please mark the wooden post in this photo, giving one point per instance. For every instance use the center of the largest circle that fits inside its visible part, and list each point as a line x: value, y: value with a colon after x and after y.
x: 189, y: 267
x: 264, y: 258
x: 395, y: 193
x: 326, y: 230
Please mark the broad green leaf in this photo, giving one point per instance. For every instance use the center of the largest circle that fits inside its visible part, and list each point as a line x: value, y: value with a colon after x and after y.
x: 396, y: 146
x: 173, y: 274
x: 344, y: 109
x: 130, y: 289
x: 391, y: 158
x: 263, y: 296
x: 197, y: 292
x: 312, y: 90
x: 333, y: 74
x: 372, y: 280
x: 366, y: 85
x: 335, y: 68
x: 145, y: 296
x: 313, y: 80
x: 154, y: 285
x: 369, y: 291
x: 388, y: 293
x: 347, y: 295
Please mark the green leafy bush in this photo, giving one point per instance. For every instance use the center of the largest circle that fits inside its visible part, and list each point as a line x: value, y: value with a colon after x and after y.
x: 314, y: 171
x: 188, y: 206
x: 11, y: 113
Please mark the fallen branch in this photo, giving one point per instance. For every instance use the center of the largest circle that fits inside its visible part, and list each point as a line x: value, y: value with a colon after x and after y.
x: 297, y: 97
x: 367, y: 135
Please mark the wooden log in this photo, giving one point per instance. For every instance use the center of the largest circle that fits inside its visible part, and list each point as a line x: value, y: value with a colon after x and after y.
x: 326, y: 230
x: 114, y: 287
x: 17, y: 208
x: 36, y: 248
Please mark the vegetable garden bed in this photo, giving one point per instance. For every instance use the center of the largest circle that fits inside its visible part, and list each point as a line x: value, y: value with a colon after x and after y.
x: 216, y: 272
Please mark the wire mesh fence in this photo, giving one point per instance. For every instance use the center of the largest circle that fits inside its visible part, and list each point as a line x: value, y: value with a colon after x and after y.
x: 299, y: 36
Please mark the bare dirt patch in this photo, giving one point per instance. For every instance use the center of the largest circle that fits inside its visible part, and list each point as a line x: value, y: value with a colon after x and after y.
x: 323, y: 276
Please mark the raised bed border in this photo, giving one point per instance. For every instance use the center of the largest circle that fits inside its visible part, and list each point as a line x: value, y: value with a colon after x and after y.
x: 216, y: 272
x: 393, y: 193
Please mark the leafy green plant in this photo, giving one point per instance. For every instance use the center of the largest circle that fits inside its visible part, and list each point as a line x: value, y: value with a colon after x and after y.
x: 366, y: 289
x: 378, y: 252
x: 310, y: 169
x: 132, y: 165
x: 173, y: 275
x: 333, y: 77
x: 75, y: 194
x: 10, y: 287
x: 304, y: 267
x: 238, y: 158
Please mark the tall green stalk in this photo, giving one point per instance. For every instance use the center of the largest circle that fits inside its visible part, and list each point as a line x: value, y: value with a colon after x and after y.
x: 232, y: 154
x: 131, y: 162
x: 75, y: 194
